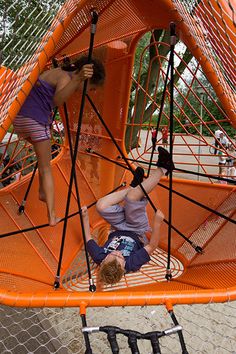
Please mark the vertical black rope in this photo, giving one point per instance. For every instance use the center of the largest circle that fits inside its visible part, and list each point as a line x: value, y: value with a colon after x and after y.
x: 92, y: 287
x: 77, y: 194
x: 22, y: 206
x: 86, y: 336
x: 159, y: 115
x: 172, y: 46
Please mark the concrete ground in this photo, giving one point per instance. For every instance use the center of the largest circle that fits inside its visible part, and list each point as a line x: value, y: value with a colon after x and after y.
x: 207, y: 329
x: 187, y: 151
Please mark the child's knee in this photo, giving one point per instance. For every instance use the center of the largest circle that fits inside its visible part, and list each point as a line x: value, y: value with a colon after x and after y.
x: 135, y: 194
x: 100, y: 206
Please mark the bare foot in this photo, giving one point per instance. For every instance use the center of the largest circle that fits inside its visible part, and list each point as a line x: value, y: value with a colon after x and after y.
x: 53, y: 220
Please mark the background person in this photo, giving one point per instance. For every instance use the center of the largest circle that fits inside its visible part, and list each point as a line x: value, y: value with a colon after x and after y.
x: 154, y: 138
x: 217, y: 137
x: 164, y: 132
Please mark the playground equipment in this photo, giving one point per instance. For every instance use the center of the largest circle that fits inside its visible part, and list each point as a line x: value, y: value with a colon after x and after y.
x: 199, y: 249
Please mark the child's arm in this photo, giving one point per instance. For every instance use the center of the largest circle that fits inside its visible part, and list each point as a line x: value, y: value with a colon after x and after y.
x: 155, y: 236
x: 96, y: 252
x: 66, y: 87
x: 85, y: 217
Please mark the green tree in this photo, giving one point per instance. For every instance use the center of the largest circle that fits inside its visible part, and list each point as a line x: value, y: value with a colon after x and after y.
x: 152, y: 52
x: 22, y: 24
x: 151, y: 60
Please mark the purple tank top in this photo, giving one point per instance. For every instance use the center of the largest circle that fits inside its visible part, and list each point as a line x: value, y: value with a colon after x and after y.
x: 39, y: 103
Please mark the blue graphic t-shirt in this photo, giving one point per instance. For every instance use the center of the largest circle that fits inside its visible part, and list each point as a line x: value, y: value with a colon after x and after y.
x: 128, y: 243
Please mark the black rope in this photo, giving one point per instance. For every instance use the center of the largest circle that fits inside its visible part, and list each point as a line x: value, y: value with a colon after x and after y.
x: 207, y: 175
x: 213, y: 211
x: 22, y: 206
x: 186, y: 171
x: 112, y: 137
x: 92, y: 286
x: 172, y: 47
x: 118, y: 148
x: 77, y: 195
x: 174, y: 191
x: 159, y: 115
x: 91, y: 151
x: 12, y: 233
x: 197, y: 248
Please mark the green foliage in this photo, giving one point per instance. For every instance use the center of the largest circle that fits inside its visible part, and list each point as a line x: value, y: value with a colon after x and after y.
x: 210, y: 101
x: 151, y: 60
x: 22, y: 24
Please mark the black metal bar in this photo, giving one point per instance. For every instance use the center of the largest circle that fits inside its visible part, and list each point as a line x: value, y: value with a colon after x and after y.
x: 86, y: 336
x: 180, y: 334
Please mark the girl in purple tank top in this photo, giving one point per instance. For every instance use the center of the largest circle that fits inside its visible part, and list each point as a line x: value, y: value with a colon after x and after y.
x: 53, y: 88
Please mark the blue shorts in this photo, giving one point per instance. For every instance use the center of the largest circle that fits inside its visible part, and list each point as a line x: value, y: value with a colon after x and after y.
x: 131, y: 217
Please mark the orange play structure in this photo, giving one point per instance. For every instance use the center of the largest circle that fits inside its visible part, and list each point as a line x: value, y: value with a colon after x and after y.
x: 203, y: 212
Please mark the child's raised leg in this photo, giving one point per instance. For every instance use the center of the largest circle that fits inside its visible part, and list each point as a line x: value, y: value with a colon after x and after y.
x: 164, y: 166
x: 119, y: 196
x: 148, y: 184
